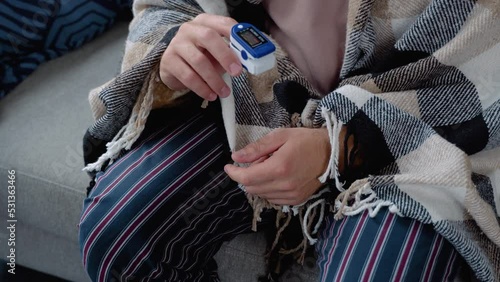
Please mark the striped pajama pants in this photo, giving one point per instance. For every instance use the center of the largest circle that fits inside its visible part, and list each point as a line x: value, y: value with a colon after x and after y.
x: 162, y: 211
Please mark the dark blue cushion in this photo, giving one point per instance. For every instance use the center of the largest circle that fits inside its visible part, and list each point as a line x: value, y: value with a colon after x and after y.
x: 35, y: 31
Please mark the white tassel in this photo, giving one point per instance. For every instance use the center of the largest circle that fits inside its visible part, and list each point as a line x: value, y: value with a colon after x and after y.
x: 295, y: 210
x: 334, y: 126
x: 113, y: 148
x: 321, y: 217
x: 127, y: 135
x: 370, y: 203
x: 311, y: 240
x: 285, y: 209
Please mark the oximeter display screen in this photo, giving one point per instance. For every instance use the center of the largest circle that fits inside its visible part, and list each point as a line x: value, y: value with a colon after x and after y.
x: 252, y: 37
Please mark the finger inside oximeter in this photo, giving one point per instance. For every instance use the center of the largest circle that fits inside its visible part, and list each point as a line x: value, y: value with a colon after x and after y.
x: 253, y: 48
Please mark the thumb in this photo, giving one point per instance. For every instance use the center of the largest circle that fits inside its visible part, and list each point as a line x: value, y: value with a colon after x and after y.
x: 262, y: 147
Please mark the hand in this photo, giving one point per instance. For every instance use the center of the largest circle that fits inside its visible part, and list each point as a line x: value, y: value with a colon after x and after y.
x: 197, y: 57
x: 285, y: 165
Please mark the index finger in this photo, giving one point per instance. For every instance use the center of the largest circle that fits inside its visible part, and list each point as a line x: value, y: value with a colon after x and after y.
x: 209, y: 38
x: 255, y: 174
x: 220, y: 24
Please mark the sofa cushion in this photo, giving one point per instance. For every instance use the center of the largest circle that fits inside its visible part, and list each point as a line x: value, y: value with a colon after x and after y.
x: 42, y: 124
x: 41, y: 127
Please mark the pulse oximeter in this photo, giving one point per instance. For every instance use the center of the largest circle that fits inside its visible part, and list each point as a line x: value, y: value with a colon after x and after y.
x: 253, y: 48
x: 256, y: 54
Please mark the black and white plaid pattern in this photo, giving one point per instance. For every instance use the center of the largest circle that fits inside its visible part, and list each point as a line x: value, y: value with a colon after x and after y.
x: 420, y: 82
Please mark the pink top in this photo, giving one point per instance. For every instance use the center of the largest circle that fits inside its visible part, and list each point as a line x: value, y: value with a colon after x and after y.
x: 313, y: 34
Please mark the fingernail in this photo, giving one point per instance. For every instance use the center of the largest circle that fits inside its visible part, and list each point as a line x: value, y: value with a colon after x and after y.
x: 225, y: 91
x: 239, y: 154
x: 235, y: 69
x: 212, y: 97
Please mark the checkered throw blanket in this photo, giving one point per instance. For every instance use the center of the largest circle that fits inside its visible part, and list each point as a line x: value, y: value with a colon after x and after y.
x: 420, y: 88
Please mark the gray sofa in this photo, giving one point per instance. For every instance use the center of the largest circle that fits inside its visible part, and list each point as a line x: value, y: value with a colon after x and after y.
x: 41, y: 127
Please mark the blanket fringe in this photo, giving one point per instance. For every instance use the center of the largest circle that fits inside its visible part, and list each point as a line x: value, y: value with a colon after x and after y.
x: 320, y: 201
x: 279, y: 216
x: 129, y: 133
x: 258, y: 206
x: 334, y: 126
x: 311, y: 215
x: 302, y: 247
x: 363, y: 198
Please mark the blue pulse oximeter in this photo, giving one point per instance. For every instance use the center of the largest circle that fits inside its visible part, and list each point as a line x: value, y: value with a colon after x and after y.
x: 253, y: 48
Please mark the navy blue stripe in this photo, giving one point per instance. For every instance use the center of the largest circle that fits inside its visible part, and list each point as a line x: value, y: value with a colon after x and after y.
x: 426, y: 238
x: 122, y: 189
x: 149, y: 193
x: 390, y: 254
x: 227, y: 214
x: 341, y: 247
x: 360, y: 255
x: 442, y: 260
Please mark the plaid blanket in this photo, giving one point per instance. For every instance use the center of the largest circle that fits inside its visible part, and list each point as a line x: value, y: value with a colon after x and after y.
x: 420, y: 90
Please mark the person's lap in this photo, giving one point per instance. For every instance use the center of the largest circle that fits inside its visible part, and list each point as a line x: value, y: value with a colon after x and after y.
x: 384, y: 248
x: 164, y: 208
x: 165, y: 198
